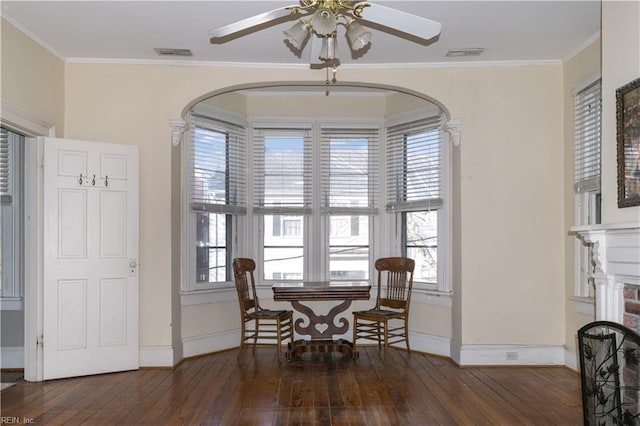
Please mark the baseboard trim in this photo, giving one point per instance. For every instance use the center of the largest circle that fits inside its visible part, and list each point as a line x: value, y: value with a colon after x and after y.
x: 12, y: 357
x: 157, y: 356
x: 209, y: 343
x: 504, y: 355
x: 429, y: 344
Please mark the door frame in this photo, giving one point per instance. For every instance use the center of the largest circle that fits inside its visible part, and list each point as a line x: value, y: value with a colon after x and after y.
x: 32, y: 127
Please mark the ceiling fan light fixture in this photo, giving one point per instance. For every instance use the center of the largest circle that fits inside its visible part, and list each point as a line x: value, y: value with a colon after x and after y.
x: 324, y: 21
x: 298, y: 33
x: 358, y: 36
x: 329, y: 49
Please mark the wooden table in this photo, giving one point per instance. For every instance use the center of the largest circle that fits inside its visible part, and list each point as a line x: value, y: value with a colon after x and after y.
x: 321, y: 328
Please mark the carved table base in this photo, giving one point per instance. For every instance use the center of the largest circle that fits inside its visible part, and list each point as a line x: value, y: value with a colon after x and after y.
x: 321, y: 328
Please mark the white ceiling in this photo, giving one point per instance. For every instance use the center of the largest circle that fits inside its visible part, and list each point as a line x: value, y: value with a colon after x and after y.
x: 509, y: 31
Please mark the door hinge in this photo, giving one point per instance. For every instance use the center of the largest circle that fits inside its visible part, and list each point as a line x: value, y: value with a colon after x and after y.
x: 40, y: 341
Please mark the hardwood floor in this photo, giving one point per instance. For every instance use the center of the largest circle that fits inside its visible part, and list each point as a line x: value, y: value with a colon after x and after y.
x: 321, y: 389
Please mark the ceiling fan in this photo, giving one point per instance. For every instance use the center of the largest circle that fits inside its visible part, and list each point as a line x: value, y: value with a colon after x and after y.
x: 319, y: 20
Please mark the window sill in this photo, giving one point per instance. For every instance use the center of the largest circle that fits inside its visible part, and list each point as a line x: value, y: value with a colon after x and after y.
x: 11, y: 303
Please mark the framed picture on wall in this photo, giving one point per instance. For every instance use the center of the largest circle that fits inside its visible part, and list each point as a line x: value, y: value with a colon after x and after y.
x: 628, y: 138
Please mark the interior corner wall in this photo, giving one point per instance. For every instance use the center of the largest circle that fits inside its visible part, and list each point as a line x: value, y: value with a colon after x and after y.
x: 510, y: 225
x: 579, y: 70
x: 32, y: 77
x: 511, y: 215
x: 620, y: 65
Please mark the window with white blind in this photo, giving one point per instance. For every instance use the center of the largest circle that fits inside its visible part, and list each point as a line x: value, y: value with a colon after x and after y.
x: 587, y: 205
x: 282, y: 198
x: 415, y: 193
x: 316, y: 193
x: 217, y: 195
x: 349, y: 188
x: 11, y: 154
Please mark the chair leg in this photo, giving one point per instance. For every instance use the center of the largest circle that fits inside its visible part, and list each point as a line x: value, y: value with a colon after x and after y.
x: 406, y: 334
x: 386, y: 338
x: 355, y: 334
x: 255, y: 335
x: 379, y: 341
x: 242, y: 338
x: 278, y: 341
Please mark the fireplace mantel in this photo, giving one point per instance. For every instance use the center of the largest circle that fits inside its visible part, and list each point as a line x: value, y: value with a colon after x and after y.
x: 615, y: 261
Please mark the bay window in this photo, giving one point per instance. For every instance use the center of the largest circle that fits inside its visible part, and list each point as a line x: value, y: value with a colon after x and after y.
x: 313, y: 190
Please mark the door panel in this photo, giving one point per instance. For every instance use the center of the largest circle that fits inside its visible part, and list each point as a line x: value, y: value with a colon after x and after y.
x: 90, y: 240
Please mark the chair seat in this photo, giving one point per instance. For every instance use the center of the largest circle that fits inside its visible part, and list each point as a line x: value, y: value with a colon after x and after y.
x: 379, y: 313
x: 267, y: 313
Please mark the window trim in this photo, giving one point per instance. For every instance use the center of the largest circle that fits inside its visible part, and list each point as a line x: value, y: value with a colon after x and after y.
x: 383, y: 227
x: 193, y: 292
x: 584, y: 204
x: 12, y: 294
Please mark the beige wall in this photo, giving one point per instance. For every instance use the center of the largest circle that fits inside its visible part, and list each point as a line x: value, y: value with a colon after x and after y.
x: 620, y: 65
x: 511, y: 163
x: 510, y: 197
x: 32, y: 78
x: 577, y: 71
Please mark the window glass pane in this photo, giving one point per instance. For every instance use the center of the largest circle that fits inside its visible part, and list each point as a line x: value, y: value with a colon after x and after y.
x: 284, y: 182
x: 348, y: 247
x: 283, y: 247
x: 210, y: 166
x: 349, y: 172
x: 420, y: 242
x: 422, y: 162
x: 212, y: 251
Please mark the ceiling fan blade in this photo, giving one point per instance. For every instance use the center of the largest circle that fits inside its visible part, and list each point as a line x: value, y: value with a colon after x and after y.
x: 400, y: 21
x: 248, y: 23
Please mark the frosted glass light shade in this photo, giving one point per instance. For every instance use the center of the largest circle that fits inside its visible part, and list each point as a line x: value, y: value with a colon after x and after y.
x: 358, y: 36
x: 297, y: 34
x: 324, y: 22
x: 329, y: 50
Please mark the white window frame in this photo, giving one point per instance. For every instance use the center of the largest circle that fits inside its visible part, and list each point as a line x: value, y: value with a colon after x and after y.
x: 193, y: 292
x: 12, y: 218
x: 384, y: 228
x: 585, y: 213
x: 394, y: 220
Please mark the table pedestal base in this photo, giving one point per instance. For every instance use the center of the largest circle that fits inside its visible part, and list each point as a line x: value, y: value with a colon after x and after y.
x: 321, y: 328
x: 300, y: 347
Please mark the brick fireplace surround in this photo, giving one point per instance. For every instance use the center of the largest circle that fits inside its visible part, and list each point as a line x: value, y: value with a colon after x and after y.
x: 615, y: 257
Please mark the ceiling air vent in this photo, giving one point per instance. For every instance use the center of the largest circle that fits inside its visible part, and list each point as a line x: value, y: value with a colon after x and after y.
x: 164, y: 51
x: 469, y: 51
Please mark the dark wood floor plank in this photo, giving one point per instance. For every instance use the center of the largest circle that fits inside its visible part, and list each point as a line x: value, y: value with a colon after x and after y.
x: 318, y: 389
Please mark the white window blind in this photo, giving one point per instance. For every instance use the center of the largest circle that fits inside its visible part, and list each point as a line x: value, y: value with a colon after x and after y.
x: 282, y: 171
x: 349, y: 170
x: 587, y: 136
x: 218, y: 159
x: 5, y: 166
x: 414, y: 165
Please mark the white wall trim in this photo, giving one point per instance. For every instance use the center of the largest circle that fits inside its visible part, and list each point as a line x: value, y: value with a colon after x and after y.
x: 23, y: 121
x: 157, y: 356
x: 212, y: 342
x: 472, y: 355
x: 396, y: 65
x: 12, y: 357
x: 571, y: 359
x: 430, y: 344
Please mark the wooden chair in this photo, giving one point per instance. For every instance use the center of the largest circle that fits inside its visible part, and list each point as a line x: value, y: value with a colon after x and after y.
x: 264, y: 326
x: 388, y: 322
x: 610, y: 373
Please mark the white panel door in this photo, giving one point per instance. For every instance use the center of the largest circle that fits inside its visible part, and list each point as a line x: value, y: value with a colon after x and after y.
x: 90, y: 258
